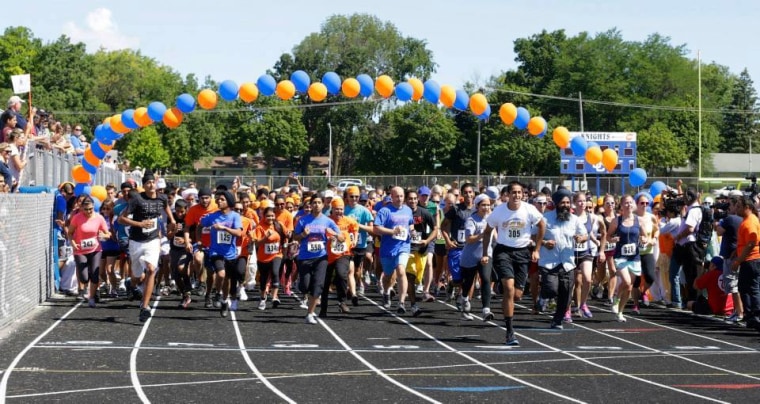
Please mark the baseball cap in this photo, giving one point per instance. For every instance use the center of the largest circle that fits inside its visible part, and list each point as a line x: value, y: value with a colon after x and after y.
x: 492, y: 192
x: 329, y: 194
x: 717, y: 261
x: 15, y: 100
x: 363, y: 197
x: 160, y: 183
x: 127, y: 185
x: 423, y: 191
x: 387, y: 199
x: 708, y: 201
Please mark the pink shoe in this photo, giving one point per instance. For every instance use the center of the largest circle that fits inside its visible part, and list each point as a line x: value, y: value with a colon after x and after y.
x: 586, y: 312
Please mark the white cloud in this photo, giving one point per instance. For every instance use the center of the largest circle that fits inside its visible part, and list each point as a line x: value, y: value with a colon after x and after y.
x: 101, y: 31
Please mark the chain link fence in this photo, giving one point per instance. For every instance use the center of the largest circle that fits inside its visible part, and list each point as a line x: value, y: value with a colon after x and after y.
x: 50, y: 168
x: 26, y: 260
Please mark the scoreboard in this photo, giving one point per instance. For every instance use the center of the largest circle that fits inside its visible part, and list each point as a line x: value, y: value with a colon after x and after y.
x: 624, y: 143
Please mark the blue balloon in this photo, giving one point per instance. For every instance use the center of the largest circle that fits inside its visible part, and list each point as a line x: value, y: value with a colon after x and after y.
x: 637, y: 177
x: 266, y: 84
x: 82, y: 189
x: 100, y: 135
x: 462, y: 100
x: 89, y: 167
x: 590, y: 145
x: 186, y: 103
x: 156, y: 110
x: 301, y: 81
x: 485, y: 115
x: 657, y: 187
x: 128, y: 119
x: 97, y: 151
x: 109, y: 135
x: 228, y: 90
x: 404, y: 91
x: 579, y: 146
x: 542, y: 134
x: 366, y: 85
x: 432, y: 92
x: 331, y: 80
x: 522, y: 119
x: 96, y: 204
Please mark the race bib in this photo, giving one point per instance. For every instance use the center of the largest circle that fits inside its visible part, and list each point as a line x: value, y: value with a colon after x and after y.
x: 352, y: 237
x: 152, y: 228
x: 460, y: 236
x: 628, y: 250
x: 513, y: 233
x: 336, y: 247
x: 580, y: 246
x: 179, y: 241
x: 239, y: 250
x: 271, y: 248
x: 416, y: 237
x: 222, y: 237
x: 315, y: 246
x: 610, y: 246
x: 403, y: 234
x: 88, y: 243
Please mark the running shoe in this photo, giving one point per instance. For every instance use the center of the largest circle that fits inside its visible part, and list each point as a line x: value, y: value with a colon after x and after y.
x: 218, y: 300
x: 636, y: 310
x: 91, y: 302
x: 615, y: 303
x: 460, y: 302
x: 360, y: 290
x: 466, y: 306
x: 620, y: 318
x: 275, y: 303
x: 208, y: 304
x: 416, y: 311
x: 355, y: 300
x: 242, y: 295
x: 401, y: 308
x: 263, y: 304
x: 224, y: 308
x: 419, y: 288
x: 186, y: 301
x: 234, y: 304
x: 305, y: 303
x: 343, y: 307
x: 487, y: 315
x: 586, y: 312
x: 512, y: 340
x: 122, y: 285
x: 311, y: 318
x: 428, y: 298
x: 556, y: 326
x: 467, y: 316
x: 568, y: 317
x: 144, y: 315
x: 386, y: 302
x: 645, y: 300
x: 734, y: 318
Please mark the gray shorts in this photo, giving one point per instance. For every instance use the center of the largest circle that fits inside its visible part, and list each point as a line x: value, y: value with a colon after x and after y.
x: 730, y: 278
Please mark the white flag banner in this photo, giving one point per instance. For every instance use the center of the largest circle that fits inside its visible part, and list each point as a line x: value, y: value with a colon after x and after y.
x: 22, y: 83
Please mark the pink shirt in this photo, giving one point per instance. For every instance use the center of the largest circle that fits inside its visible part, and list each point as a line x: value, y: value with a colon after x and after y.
x: 86, y: 232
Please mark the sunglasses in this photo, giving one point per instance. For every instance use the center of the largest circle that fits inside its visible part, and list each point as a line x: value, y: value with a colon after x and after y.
x: 542, y: 203
x: 644, y: 203
x: 7, y: 151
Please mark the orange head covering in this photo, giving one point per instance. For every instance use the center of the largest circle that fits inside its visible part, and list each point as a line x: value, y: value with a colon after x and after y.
x: 337, y: 202
x: 265, y: 203
x: 353, y: 190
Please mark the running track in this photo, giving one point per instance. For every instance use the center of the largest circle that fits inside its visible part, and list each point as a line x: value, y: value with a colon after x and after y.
x: 67, y: 352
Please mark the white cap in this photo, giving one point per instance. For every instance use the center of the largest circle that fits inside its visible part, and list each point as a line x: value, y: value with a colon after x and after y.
x: 188, y: 192
x: 160, y: 183
x: 328, y: 194
x: 735, y: 192
x: 709, y: 200
x: 480, y: 198
x: 15, y: 100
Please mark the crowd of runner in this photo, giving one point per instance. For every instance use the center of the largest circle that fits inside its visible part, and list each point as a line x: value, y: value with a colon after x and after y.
x: 458, y: 244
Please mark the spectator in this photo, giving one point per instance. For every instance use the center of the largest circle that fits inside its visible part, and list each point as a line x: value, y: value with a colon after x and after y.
x: 14, y: 105
x: 18, y: 157
x: 58, y: 140
x: 718, y: 302
x: 8, y: 123
x: 137, y: 173
x: 5, y: 170
x: 76, y: 143
x: 108, y: 162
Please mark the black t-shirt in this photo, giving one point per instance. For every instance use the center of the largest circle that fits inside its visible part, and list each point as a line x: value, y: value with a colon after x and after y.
x: 423, y: 225
x: 178, y: 242
x: 144, y: 208
x: 728, y: 242
x: 457, y: 216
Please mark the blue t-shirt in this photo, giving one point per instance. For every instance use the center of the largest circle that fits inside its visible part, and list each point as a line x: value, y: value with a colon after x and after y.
x: 222, y: 242
x: 362, y: 216
x: 111, y: 244
x: 390, y: 217
x: 731, y: 225
x: 76, y: 144
x: 315, y: 244
x: 59, y: 207
x: 122, y: 231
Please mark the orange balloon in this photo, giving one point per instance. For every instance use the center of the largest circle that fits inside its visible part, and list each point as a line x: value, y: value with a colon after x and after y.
x: 107, y: 120
x: 418, y: 87
x: 384, y: 86
x: 317, y: 92
x: 79, y: 174
x: 351, y: 87
x: 448, y: 95
x: 141, y: 117
x: 249, y: 92
x: 99, y: 191
x: 106, y: 147
x: 285, y: 90
x: 536, y: 125
x: 594, y: 155
x: 561, y: 137
x: 478, y: 104
x: 508, y: 113
x: 117, y: 125
x: 172, y: 118
x: 206, y: 99
x: 609, y: 159
x: 90, y: 158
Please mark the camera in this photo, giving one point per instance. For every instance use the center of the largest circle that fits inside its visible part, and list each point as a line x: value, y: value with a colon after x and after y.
x: 752, y: 188
x: 672, y: 202
x: 720, y: 209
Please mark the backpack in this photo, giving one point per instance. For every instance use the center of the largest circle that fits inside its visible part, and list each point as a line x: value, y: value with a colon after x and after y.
x: 704, y: 231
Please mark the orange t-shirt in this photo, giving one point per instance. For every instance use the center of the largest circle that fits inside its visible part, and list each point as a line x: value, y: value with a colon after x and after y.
x: 245, y: 240
x: 193, y: 218
x: 286, y: 220
x: 251, y: 214
x: 335, y: 249
x: 667, y: 243
x: 749, y: 231
x: 267, y: 247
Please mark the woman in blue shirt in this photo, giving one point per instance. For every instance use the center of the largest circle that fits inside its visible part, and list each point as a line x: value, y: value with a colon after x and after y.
x: 312, y: 231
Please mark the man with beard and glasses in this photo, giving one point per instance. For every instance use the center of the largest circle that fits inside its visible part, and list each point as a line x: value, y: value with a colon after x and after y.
x: 557, y: 262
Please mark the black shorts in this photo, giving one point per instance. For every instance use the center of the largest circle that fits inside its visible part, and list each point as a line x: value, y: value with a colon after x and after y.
x: 440, y: 250
x: 110, y: 253
x: 512, y: 263
x: 582, y: 256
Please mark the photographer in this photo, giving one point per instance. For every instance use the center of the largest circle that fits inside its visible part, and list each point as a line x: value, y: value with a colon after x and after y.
x: 728, y: 229
x: 689, y: 253
x: 669, y: 267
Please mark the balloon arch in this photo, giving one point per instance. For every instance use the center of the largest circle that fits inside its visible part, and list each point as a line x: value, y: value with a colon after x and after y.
x: 115, y: 127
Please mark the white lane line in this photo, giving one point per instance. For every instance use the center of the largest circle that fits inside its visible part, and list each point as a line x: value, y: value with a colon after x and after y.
x: 601, y: 366
x: 17, y: 359
x: 473, y: 360
x: 253, y: 367
x: 373, y: 368
x: 682, y: 331
x: 133, y: 355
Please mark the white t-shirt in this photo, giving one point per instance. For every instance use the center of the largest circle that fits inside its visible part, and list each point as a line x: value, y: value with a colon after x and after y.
x: 693, y: 218
x: 513, y: 227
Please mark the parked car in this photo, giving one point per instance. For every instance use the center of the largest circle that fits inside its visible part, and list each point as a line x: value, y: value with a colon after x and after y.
x: 347, y: 182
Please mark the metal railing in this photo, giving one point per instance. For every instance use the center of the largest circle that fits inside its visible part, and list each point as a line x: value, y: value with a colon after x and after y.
x: 50, y: 168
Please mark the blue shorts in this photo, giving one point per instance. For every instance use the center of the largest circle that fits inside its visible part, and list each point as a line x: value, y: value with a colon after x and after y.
x: 391, y: 263
x: 455, y: 254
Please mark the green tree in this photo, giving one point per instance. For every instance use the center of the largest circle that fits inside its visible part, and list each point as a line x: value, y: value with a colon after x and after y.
x: 740, y: 124
x: 658, y: 149
x: 18, y: 50
x: 145, y: 149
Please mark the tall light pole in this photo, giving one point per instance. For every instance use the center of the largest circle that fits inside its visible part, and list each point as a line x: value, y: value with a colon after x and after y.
x: 329, y: 158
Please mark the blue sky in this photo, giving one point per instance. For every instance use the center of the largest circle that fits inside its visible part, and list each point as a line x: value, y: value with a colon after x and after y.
x: 470, y: 40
